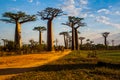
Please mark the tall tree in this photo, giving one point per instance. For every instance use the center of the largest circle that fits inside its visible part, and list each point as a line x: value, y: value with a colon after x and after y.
x: 49, y: 14
x: 18, y: 19
x: 40, y: 29
x: 65, y: 35
x: 105, y: 35
x: 81, y: 40
x: 74, y: 23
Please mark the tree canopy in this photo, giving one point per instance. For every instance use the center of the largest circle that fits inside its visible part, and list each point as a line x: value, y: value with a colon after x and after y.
x: 20, y: 17
x: 40, y: 28
x: 50, y: 13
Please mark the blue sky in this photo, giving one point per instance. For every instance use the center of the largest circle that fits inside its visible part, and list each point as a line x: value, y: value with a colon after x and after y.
x: 99, y: 15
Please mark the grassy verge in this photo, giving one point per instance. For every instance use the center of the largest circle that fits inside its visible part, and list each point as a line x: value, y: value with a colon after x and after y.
x: 78, y: 66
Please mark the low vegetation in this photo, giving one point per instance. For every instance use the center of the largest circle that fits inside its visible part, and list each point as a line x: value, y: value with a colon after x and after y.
x: 78, y: 65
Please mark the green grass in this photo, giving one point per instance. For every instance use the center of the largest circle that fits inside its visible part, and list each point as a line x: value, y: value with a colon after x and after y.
x: 77, y: 66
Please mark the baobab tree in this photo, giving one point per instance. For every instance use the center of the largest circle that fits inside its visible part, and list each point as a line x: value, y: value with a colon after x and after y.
x: 105, y: 35
x: 40, y: 29
x: 81, y: 40
x: 112, y: 42
x: 5, y: 41
x: 65, y: 35
x: 49, y: 14
x: 18, y: 19
x: 74, y: 23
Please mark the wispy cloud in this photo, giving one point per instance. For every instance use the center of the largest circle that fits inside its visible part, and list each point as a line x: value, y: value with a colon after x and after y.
x: 106, y: 20
x: 74, y: 7
x: 117, y: 12
x: 14, y: 9
x: 37, y: 3
x: 106, y: 11
x: 30, y: 1
x: 13, y: 0
x: 83, y: 2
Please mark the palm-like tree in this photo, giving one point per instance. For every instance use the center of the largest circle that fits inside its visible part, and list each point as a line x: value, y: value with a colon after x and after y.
x: 40, y: 29
x: 74, y: 23
x: 65, y: 35
x: 81, y: 40
x: 105, y: 35
x: 18, y: 19
x: 49, y: 14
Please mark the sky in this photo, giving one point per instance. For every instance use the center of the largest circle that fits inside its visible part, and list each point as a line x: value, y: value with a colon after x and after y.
x: 99, y: 15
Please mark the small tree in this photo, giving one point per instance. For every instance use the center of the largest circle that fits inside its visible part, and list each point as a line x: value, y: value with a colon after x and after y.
x: 5, y: 41
x: 49, y: 14
x: 112, y: 42
x: 74, y: 23
x: 105, y: 35
x: 81, y: 41
x: 65, y: 35
x: 40, y: 29
x: 18, y: 19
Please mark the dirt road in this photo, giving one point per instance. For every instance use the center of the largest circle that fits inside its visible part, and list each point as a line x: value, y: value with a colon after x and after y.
x: 13, y: 65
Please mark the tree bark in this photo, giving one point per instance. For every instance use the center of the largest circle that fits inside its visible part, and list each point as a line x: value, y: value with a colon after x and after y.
x: 105, y: 42
x: 64, y: 40
x: 81, y: 43
x: 18, y: 40
x: 76, y: 39
x: 50, y: 36
x: 40, y: 37
x: 73, y: 38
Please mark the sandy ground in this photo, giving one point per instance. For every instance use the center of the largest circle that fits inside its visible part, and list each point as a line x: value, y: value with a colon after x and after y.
x: 13, y: 65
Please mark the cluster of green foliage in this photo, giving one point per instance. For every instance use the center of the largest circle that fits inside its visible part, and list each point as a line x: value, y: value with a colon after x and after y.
x: 78, y: 66
x: 10, y: 49
x: 89, y: 46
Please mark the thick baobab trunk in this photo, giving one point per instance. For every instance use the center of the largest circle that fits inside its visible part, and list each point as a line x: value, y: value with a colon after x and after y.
x: 18, y: 40
x: 49, y: 36
x: 40, y: 37
x: 76, y: 39
x: 73, y: 38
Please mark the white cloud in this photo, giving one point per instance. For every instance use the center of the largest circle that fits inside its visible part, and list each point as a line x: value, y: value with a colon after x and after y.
x: 37, y: 3
x: 106, y: 20
x: 117, y: 12
x: 30, y: 1
x: 110, y: 6
x: 14, y: 0
x: 91, y: 15
x: 83, y: 2
x: 74, y: 7
x: 106, y: 11
x: 14, y: 9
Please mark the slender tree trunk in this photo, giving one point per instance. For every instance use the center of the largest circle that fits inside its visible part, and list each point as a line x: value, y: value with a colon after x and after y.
x: 105, y: 42
x: 73, y: 38
x: 67, y: 43
x: 76, y: 39
x: 40, y: 37
x: 18, y: 40
x: 81, y: 43
x: 64, y: 41
x: 49, y: 36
